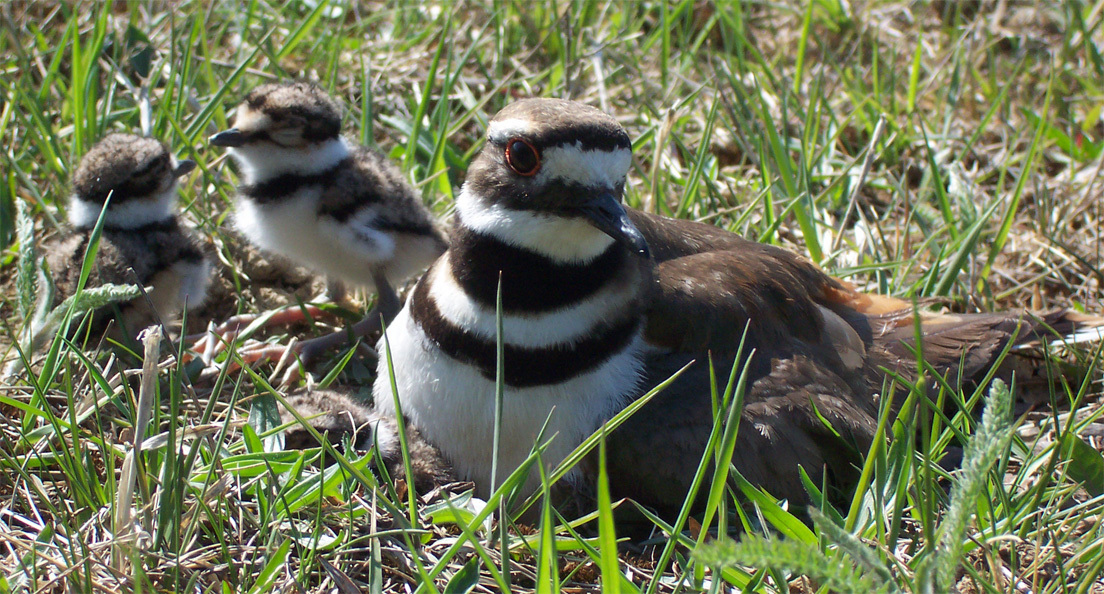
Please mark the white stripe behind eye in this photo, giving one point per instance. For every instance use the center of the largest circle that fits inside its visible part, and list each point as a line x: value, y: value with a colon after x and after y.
x: 591, y: 168
x: 564, y: 239
x: 568, y: 162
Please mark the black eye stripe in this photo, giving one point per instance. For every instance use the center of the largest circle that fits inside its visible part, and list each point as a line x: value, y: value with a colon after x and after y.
x: 158, y: 161
x: 256, y: 135
x: 603, y: 138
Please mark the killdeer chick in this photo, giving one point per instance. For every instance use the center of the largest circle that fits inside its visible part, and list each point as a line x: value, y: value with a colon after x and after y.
x: 140, y: 231
x: 310, y: 196
x: 600, y: 303
x: 336, y: 416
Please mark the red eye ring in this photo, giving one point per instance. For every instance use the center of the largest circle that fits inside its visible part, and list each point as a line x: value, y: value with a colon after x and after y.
x: 522, y: 157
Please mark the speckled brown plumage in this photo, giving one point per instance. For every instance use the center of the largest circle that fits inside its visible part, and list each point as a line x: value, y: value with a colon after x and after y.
x: 141, y: 240
x: 151, y: 254
x: 359, y: 213
x: 336, y: 416
x: 126, y: 166
x: 302, y: 102
x: 312, y: 197
x: 701, y: 301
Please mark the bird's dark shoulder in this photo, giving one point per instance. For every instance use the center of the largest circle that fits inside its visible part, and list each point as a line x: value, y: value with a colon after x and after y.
x: 673, y: 238
x: 365, y: 179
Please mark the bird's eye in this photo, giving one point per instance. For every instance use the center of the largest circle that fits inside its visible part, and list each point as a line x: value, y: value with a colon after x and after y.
x: 147, y: 167
x: 522, y: 157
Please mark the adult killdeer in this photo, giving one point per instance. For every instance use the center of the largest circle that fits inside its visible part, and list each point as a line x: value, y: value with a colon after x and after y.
x: 600, y: 303
x: 309, y: 195
x: 140, y: 231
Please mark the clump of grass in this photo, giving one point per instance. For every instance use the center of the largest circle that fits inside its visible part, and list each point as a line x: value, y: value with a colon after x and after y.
x: 853, y: 566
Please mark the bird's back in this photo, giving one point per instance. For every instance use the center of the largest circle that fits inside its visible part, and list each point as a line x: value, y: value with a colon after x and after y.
x: 816, y: 353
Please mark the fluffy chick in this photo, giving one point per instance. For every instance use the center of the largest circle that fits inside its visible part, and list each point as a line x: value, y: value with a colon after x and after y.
x: 142, y: 242
x: 310, y: 196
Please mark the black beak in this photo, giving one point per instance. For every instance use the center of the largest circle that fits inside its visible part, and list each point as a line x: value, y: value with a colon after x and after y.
x: 231, y: 137
x: 184, y: 167
x: 608, y: 215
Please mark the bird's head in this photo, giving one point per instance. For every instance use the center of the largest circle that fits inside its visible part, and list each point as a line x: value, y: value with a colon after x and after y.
x: 138, y: 173
x: 290, y: 115
x: 282, y: 127
x: 550, y: 178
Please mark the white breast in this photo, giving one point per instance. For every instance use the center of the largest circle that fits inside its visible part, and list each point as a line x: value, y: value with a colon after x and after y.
x: 453, y: 404
x: 292, y: 228
x: 182, y: 283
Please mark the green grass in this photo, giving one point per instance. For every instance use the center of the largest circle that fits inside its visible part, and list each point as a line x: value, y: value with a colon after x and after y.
x: 924, y: 150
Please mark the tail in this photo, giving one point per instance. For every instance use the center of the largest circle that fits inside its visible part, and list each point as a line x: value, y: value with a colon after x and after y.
x: 1075, y: 328
x: 965, y: 347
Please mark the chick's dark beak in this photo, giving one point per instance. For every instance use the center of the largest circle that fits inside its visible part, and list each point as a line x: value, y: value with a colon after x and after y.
x: 184, y: 167
x: 607, y: 214
x: 231, y: 137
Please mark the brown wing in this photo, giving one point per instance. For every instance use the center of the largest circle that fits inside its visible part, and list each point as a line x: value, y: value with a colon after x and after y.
x: 821, y: 348
x: 704, y: 301
x: 672, y: 238
x: 367, y: 179
x: 809, y: 352
x: 148, y: 251
x: 709, y: 284
x: 116, y: 255
x: 653, y: 456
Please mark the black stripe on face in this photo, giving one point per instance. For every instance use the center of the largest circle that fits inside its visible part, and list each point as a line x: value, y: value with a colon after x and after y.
x: 531, y: 283
x: 284, y: 185
x: 168, y: 225
x: 131, y: 190
x: 310, y: 132
x: 411, y: 227
x: 585, y: 138
x: 252, y: 136
x: 555, y: 122
x: 525, y: 367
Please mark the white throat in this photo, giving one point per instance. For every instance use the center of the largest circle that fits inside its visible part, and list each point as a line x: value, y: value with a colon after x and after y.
x: 566, y: 240
x: 131, y: 214
x: 261, y: 162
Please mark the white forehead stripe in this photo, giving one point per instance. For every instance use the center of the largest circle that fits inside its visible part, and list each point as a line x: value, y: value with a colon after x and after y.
x: 591, y: 168
x: 250, y: 120
x: 501, y: 131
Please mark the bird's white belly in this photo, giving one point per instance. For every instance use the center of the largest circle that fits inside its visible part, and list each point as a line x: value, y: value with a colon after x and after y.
x: 452, y: 404
x: 182, y: 284
x: 292, y: 228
